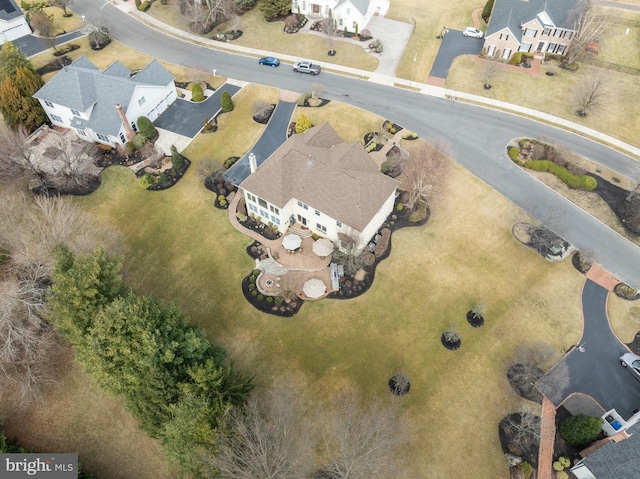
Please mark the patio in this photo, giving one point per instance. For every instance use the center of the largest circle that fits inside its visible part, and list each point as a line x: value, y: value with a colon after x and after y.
x: 287, y: 270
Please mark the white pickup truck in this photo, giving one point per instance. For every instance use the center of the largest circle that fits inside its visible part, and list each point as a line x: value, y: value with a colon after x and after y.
x: 306, y: 67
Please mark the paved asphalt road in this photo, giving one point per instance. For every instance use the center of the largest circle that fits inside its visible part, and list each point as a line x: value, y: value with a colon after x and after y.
x: 477, y: 136
x: 453, y: 45
x: 593, y: 367
x: 186, y: 118
x: 273, y: 136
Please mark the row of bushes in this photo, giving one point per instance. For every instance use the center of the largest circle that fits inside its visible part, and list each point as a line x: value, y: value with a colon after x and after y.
x: 582, y: 182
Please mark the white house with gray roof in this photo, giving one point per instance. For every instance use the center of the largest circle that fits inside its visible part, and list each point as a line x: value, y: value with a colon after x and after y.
x: 103, y: 106
x: 532, y: 26
x: 12, y: 22
x: 319, y: 182
x: 352, y: 14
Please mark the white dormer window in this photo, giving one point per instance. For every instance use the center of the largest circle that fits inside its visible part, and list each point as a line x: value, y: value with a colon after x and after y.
x: 75, y: 112
x: 141, y: 101
x: 49, y: 104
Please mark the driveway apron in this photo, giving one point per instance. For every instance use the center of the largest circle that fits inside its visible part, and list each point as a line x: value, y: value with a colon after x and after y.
x: 186, y: 118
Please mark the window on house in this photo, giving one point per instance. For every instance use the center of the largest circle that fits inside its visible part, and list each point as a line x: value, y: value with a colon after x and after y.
x: 304, y: 6
x: 262, y: 202
x: 525, y: 47
x: 275, y: 220
x: 355, y: 25
x: 321, y: 228
x: 49, y: 104
x: 348, y: 11
x: 504, y: 36
x: 251, y: 197
x: 141, y: 101
x: 567, y: 34
x: 317, y: 213
x: 81, y: 133
x: 253, y: 208
x: 561, y: 49
x: 530, y: 32
x: 122, y: 138
x: 492, y: 50
x: 546, y: 31
x: 341, y: 22
x: 102, y: 137
x: 264, y: 214
x: 75, y: 112
x: 302, y: 205
x: 506, y: 54
x: 134, y: 126
x: 557, y: 33
x: 56, y: 118
x: 551, y: 48
x: 295, y: 6
x: 274, y: 209
x: 338, y: 224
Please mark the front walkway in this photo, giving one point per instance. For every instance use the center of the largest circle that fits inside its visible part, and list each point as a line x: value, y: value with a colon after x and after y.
x: 547, y: 439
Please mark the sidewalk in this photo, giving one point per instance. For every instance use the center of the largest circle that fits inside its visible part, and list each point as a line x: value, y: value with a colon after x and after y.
x: 437, y: 91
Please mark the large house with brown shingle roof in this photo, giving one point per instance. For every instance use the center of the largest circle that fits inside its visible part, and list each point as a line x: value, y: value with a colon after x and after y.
x: 318, y: 181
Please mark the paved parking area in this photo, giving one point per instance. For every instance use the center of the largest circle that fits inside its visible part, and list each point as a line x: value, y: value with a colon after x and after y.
x: 453, y: 45
x: 186, y: 118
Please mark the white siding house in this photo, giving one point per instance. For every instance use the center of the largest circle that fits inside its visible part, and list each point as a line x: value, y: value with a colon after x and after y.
x: 103, y: 106
x: 352, y: 14
x: 317, y: 181
x: 12, y: 22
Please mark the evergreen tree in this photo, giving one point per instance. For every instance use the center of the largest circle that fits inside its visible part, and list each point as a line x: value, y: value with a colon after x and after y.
x: 11, y: 58
x: 197, y: 95
x: 81, y: 287
x: 141, y: 351
x: 17, y: 104
x: 274, y: 8
x: 226, y: 102
x: 146, y: 127
x: 303, y: 123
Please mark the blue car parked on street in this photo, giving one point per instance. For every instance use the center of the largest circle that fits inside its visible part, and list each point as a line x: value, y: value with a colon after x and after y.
x: 269, y: 61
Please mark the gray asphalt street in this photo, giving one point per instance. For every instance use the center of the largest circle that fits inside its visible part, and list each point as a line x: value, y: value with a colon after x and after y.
x: 476, y: 136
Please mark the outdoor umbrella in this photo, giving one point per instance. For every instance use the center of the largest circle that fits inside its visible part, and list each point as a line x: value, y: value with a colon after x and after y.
x: 291, y: 241
x: 323, y: 247
x: 314, y: 288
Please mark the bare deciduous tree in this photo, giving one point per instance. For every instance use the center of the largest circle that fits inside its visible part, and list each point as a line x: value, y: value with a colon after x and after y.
x: 330, y: 30
x: 361, y: 440
x: 316, y: 90
x: 63, y: 4
x: 591, y: 93
x: 490, y: 70
x: 423, y: 172
x: 18, y: 158
x: 587, y: 25
x: 267, y: 439
x: 42, y: 22
x: 349, y: 254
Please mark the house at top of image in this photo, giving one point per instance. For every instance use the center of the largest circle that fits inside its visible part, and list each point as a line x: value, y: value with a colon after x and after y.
x: 12, y: 22
x: 318, y: 182
x: 103, y: 106
x: 350, y: 14
x: 532, y: 26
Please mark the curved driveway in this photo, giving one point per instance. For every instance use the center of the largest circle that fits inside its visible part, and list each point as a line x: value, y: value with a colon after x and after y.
x: 593, y: 367
x: 477, y: 136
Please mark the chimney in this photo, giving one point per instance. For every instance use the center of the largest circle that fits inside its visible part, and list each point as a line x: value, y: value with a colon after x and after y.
x: 129, y: 133
x: 253, y: 163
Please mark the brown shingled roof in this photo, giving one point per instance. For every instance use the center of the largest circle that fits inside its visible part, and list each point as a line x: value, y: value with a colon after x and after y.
x: 318, y: 168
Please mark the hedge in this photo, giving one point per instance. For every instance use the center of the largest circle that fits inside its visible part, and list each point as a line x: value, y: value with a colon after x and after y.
x: 583, y: 182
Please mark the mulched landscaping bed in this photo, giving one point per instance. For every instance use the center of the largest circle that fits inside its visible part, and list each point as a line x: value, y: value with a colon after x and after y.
x: 561, y: 448
x: 171, y: 176
x: 525, y: 448
x: 451, y: 345
x: 54, y: 65
x: 634, y: 345
x: 474, y: 319
x: 628, y: 212
x: 321, y: 102
x: 285, y: 309
x: 84, y: 186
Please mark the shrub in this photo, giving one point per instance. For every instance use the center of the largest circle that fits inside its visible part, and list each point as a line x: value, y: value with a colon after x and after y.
x: 147, y: 180
x: 177, y: 162
x: 409, y: 135
x: 145, y: 127
x: 252, y: 279
x: 399, y: 207
x: 557, y: 466
x: 513, y: 153
x: 278, y: 301
x: 226, y: 103
x: 565, y: 461
x: 583, y: 182
x: 525, y: 469
x: 221, y: 197
x: 129, y: 148
x: 386, y: 166
x: 144, y: 6
x: 303, y: 123
x: 304, y: 97
x: 162, y: 178
x: 138, y: 3
x: 139, y: 140
x: 254, y: 293
x: 197, y: 94
x: 371, y: 146
x: 580, y: 430
x: 260, y: 297
x: 486, y: 11
x: 223, y: 203
x: 562, y: 475
x: 269, y: 299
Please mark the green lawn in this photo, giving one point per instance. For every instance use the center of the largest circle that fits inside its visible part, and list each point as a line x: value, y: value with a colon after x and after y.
x: 181, y: 249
